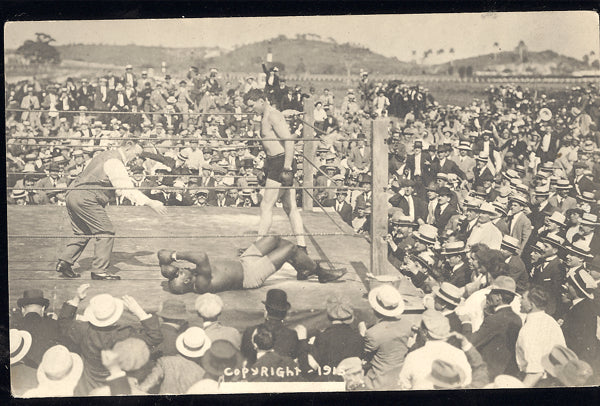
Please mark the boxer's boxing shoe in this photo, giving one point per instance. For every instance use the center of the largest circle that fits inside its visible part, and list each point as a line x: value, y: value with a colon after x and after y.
x: 64, y: 268
x: 329, y: 274
x: 105, y: 277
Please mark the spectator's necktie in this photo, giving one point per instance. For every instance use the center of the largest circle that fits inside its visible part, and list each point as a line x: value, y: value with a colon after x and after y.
x: 510, y: 220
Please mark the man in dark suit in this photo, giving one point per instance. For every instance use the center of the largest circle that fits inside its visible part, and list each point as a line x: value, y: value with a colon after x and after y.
x: 286, y: 341
x: 516, y: 146
x: 342, y: 207
x: 582, y: 182
x: 456, y: 271
x: 580, y: 321
x: 496, y: 338
x: 43, y: 329
x: 516, y: 267
x: 548, y: 271
x: 173, y: 323
x: 482, y: 170
x: 268, y: 359
x: 411, y: 205
x: 444, y: 164
x: 418, y: 164
x: 444, y: 210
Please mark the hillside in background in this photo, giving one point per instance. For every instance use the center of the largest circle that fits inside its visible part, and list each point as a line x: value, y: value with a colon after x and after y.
x: 309, y: 54
x: 138, y: 56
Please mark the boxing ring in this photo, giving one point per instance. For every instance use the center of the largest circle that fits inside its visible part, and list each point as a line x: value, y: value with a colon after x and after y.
x: 36, y: 234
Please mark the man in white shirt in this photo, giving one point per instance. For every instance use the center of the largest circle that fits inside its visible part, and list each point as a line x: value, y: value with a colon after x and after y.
x: 486, y: 232
x: 86, y: 208
x: 538, y: 335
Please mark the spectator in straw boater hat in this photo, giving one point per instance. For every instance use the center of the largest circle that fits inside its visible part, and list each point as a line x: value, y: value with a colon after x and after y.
x: 518, y: 223
x: 425, y: 238
x: 547, y: 269
x: 561, y: 200
x: 386, y: 341
x: 446, y: 298
x: 588, y: 202
x: 484, y: 231
x: 176, y: 373
x: 22, y: 375
x: 58, y: 373
x: 588, y: 225
x: 43, y: 329
x: 457, y: 271
x: 516, y: 266
x: 102, y: 330
x: 580, y: 321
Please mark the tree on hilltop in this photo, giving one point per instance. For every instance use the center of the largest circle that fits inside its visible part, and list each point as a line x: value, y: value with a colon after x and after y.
x: 40, y: 51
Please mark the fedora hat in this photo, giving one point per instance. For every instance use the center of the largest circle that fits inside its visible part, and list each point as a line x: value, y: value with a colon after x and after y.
x: 221, y: 355
x: 277, y: 300
x: 558, y: 218
x: 386, y: 300
x: 209, y: 305
x: 580, y: 249
x: 60, y: 368
x: 436, y: 323
x: 453, y: 248
x: 103, y: 310
x: 589, y: 219
x: 511, y: 243
x: 445, y: 375
x: 339, y: 308
x: 172, y: 309
x: 20, y: 343
x: 487, y: 208
x: 426, y: 233
x: 563, y: 184
x: 400, y: 219
x: 505, y: 284
x: 584, y: 282
x: 557, y: 358
x: 448, y: 293
x: 575, y: 373
x: 193, y: 342
x: 33, y: 296
x: 587, y: 197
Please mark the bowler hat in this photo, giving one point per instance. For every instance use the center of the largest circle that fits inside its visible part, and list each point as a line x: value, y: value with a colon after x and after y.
x: 33, y: 296
x: 277, y: 300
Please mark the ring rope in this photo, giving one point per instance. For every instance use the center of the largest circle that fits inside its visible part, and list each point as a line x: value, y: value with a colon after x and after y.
x: 45, y: 236
x: 172, y: 188
x: 324, y: 211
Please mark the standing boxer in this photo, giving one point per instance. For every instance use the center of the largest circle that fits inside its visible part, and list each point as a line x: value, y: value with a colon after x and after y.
x: 87, y: 212
x: 279, y: 166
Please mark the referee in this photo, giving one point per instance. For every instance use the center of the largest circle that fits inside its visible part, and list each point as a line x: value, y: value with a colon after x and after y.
x: 87, y: 212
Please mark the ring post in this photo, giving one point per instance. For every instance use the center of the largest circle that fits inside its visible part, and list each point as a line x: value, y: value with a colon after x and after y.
x: 379, y: 215
x: 310, y: 152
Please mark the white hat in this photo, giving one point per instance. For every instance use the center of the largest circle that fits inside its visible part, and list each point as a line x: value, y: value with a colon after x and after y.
x: 104, y: 310
x: 193, y: 342
x: 386, y: 300
x: 20, y: 343
x: 60, y: 368
x: 209, y: 305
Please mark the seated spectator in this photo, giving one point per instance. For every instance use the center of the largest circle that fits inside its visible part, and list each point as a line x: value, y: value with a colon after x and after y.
x: 174, y: 322
x: 209, y: 306
x: 58, y: 373
x: 23, y: 377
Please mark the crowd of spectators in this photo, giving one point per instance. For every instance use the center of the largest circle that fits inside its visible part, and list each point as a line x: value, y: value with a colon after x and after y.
x: 493, y: 214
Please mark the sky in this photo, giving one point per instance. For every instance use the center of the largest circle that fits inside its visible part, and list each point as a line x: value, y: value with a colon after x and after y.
x: 571, y: 33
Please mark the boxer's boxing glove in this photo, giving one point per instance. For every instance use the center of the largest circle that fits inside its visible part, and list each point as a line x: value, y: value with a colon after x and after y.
x: 165, y: 257
x: 287, y: 177
x: 169, y: 271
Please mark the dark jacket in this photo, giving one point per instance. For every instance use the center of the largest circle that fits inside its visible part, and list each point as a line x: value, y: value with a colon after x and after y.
x: 401, y: 202
x: 496, y: 340
x: 549, y: 276
x: 271, y: 362
x: 92, y: 340
x: 449, y: 166
x: 286, y: 340
x: 44, y: 334
x: 442, y: 218
x: 579, y: 329
x: 335, y: 343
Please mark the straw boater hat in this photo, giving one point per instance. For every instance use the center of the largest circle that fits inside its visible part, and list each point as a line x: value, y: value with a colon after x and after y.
x: 589, y: 219
x: 487, y: 208
x: 18, y: 194
x: 519, y: 199
x: 60, y: 368
x: 103, y: 310
x: 542, y: 191
x: 587, y: 197
x: 20, y: 343
x: 482, y: 157
x: 426, y: 233
x: 552, y: 239
x: 558, y: 218
x: 505, y: 382
x: 563, y: 184
x: 579, y: 249
x: 399, y: 219
x: 510, y: 243
x: 472, y: 203
x: 466, y: 145
x: 425, y: 258
x: 584, y: 282
x: 386, y: 300
x: 448, y: 293
x: 193, y: 342
x: 446, y: 375
x: 510, y: 174
x: 453, y: 248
